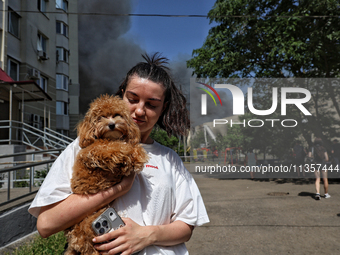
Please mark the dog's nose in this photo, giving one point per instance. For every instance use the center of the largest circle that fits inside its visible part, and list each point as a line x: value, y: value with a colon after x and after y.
x: 112, y: 126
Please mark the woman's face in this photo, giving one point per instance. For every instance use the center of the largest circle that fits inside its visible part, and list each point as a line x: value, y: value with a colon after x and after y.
x: 145, y: 99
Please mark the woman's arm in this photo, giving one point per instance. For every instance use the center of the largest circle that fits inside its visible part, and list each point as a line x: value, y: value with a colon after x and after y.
x: 64, y: 214
x: 171, y: 234
x: 133, y: 237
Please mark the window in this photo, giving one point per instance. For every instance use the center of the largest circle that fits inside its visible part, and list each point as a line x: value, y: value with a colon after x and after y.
x: 13, y: 22
x: 61, y: 4
x: 62, y: 28
x: 62, y: 54
x: 62, y: 108
x: 13, y: 69
x: 42, y: 82
x: 62, y: 82
x: 42, y: 42
x: 42, y: 5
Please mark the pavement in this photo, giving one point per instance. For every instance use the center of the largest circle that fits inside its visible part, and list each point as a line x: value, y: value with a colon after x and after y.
x: 266, y: 216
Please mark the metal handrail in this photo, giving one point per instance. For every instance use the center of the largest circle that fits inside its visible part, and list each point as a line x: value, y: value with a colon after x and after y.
x: 58, y: 134
x: 29, y: 153
x: 32, y: 136
x: 35, y: 138
x: 26, y: 166
x: 23, y: 166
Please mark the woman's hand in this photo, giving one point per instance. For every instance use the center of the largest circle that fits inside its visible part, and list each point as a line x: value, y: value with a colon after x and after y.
x: 132, y: 237
x: 127, y: 240
x: 64, y: 214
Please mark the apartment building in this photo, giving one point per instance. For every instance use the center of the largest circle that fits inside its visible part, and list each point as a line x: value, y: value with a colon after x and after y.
x: 39, y: 52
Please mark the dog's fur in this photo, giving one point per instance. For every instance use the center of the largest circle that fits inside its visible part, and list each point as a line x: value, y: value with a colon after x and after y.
x: 110, y: 150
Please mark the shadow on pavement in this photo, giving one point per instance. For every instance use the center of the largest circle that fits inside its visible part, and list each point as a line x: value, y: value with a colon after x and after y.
x: 306, y: 194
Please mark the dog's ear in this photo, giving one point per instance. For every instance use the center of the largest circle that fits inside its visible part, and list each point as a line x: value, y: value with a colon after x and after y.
x: 86, y: 133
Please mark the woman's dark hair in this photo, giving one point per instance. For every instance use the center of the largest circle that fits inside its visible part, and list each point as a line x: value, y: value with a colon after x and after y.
x: 174, y: 119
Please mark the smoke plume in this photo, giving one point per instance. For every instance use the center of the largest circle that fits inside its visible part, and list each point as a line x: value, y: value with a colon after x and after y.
x: 104, y: 55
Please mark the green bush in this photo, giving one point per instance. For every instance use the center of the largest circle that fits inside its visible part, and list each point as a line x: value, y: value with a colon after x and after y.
x: 40, y: 174
x: 1, y: 178
x: 21, y: 184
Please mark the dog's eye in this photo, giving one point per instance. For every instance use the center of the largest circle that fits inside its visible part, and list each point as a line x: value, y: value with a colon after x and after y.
x: 116, y: 115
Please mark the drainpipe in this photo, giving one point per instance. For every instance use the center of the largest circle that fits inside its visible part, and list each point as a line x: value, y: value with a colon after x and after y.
x: 10, y: 114
x: 44, y: 125
x: 4, y: 31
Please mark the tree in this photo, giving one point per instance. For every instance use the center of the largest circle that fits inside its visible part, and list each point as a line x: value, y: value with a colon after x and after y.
x: 197, y: 139
x: 161, y: 137
x: 278, y: 39
x: 272, y: 38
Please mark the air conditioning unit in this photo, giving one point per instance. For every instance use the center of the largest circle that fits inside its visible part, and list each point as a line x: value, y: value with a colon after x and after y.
x: 36, y: 118
x: 42, y: 55
x: 33, y: 74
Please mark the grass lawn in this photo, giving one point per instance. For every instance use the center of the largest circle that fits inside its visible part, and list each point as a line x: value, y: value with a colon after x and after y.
x: 52, y: 245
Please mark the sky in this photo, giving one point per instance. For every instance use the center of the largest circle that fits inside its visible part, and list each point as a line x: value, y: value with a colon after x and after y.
x: 174, y: 37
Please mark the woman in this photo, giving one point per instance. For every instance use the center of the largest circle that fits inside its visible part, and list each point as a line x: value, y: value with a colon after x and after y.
x: 321, y: 157
x: 162, y: 204
x: 251, y: 161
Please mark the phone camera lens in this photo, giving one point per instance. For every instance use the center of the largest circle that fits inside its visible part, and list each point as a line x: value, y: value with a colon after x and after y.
x: 97, y: 225
x: 111, y: 213
x: 101, y: 231
x: 104, y: 223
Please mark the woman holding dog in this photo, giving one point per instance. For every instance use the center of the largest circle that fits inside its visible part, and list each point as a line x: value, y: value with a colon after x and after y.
x: 161, y: 205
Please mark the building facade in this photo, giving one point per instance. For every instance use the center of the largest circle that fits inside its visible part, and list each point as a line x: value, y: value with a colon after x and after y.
x: 39, y: 43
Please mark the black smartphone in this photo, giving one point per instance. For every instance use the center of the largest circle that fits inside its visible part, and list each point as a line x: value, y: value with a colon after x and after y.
x: 108, y: 221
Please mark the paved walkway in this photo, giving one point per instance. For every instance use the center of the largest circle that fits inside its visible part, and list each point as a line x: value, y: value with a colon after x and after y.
x: 267, y: 217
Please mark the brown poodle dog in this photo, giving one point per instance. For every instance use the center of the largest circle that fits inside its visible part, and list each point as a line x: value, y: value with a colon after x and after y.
x: 110, y: 150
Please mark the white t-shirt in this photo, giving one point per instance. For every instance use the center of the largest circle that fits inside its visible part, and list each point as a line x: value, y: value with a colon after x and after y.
x: 162, y: 193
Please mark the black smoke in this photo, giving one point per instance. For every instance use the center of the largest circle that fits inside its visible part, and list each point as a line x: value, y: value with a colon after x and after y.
x: 104, y: 55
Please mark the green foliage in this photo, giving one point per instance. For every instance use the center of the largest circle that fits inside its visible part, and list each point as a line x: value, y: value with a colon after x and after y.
x: 273, y: 38
x: 197, y: 139
x: 1, y: 178
x: 234, y: 138
x: 38, y: 246
x: 278, y: 39
x: 160, y: 136
x: 41, y: 174
x: 20, y: 184
x: 21, y: 174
